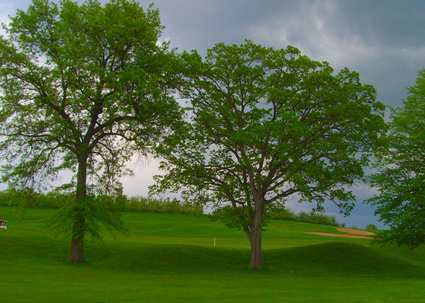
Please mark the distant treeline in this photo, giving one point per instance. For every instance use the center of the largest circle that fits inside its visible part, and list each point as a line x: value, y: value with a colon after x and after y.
x: 122, y: 203
x: 140, y: 204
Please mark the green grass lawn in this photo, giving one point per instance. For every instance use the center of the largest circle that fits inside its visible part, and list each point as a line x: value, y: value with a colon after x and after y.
x: 171, y: 258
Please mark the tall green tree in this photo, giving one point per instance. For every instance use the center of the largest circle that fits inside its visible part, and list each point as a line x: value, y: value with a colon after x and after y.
x: 83, y: 86
x: 265, y: 124
x: 400, y: 179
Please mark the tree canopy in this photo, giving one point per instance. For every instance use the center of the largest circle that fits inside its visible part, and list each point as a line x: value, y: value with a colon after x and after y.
x: 400, y: 179
x: 264, y: 124
x: 84, y: 87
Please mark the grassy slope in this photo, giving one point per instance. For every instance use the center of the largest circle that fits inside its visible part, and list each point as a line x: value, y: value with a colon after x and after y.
x: 170, y: 258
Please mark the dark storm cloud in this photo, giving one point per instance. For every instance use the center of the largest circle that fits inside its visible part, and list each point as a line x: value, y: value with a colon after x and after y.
x: 383, y: 40
x: 390, y: 23
x: 199, y: 24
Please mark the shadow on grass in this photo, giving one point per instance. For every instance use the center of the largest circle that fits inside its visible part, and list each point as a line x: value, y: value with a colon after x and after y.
x: 339, y: 258
x: 172, y: 259
x: 330, y: 258
x: 322, y: 259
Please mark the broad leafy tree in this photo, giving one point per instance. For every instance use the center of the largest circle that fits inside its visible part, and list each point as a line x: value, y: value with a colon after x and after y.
x: 83, y: 86
x: 265, y: 124
x: 400, y: 180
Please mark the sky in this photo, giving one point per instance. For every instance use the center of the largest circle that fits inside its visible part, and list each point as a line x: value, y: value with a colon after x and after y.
x: 383, y: 40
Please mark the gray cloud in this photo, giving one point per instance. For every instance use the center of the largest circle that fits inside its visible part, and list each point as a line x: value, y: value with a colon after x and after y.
x: 382, y: 40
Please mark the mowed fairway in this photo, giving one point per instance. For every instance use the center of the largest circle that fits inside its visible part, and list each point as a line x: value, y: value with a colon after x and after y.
x: 171, y: 258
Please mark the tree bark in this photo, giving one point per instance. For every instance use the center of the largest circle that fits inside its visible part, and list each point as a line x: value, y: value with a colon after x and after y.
x: 256, y: 236
x: 78, y: 229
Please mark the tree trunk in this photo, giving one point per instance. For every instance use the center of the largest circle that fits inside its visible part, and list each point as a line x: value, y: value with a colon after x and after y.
x: 78, y: 229
x: 77, y: 250
x: 255, y: 236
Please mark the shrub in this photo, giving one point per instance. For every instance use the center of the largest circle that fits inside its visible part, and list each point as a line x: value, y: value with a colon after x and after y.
x: 313, y: 217
x: 372, y: 228
x: 281, y: 214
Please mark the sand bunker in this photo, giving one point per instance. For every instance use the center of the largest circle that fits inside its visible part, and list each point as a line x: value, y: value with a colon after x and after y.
x: 349, y: 233
x: 356, y: 232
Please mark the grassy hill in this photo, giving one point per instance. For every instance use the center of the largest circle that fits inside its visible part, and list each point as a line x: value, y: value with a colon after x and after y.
x: 171, y: 258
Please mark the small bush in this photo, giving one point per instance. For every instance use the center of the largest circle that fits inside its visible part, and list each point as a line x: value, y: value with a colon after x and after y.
x: 313, y: 217
x: 232, y: 217
x: 100, y: 214
x: 317, y: 218
x: 281, y: 214
x: 372, y: 228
